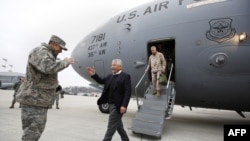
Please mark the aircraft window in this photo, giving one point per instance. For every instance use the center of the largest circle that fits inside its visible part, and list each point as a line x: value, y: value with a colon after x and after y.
x: 15, y: 79
x: 5, y: 79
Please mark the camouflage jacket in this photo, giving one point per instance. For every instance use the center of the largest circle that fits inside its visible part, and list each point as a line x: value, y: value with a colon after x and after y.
x: 39, y: 86
x: 157, y: 62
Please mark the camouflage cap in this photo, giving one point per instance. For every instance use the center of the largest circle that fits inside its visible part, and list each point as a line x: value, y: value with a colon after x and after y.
x: 59, y: 41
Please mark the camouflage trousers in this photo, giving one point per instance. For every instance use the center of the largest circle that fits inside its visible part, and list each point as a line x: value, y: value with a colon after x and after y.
x: 33, y: 122
x: 155, y: 80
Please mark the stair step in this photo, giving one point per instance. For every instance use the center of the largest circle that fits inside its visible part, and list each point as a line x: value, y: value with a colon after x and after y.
x: 151, y: 111
x: 150, y: 117
x: 155, y: 103
x: 153, y: 107
x: 153, y: 129
x: 156, y: 98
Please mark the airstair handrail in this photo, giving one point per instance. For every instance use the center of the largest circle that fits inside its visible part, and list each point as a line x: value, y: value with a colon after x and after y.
x: 136, y: 93
x: 170, y: 73
x: 139, y: 82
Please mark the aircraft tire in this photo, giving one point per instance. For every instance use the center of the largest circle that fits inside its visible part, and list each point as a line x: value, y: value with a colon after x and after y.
x: 104, y: 108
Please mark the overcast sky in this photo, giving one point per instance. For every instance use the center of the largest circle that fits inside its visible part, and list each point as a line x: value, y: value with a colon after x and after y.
x: 26, y: 23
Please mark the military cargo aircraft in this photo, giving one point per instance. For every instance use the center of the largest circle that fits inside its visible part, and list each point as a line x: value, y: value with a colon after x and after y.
x: 8, y: 79
x: 206, y: 41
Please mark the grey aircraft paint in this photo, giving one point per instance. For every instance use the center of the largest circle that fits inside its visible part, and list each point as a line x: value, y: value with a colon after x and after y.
x: 211, y: 63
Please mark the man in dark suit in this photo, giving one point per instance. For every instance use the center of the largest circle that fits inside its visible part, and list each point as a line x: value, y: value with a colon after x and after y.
x: 116, y: 92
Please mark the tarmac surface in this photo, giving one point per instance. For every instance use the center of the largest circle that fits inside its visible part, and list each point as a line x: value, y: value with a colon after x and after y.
x: 79, y: 119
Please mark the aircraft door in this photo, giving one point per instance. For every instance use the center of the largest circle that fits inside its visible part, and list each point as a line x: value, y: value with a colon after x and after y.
x: 167, y: 48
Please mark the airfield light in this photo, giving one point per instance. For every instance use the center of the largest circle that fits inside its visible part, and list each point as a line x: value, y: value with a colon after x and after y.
x: 242, y: 36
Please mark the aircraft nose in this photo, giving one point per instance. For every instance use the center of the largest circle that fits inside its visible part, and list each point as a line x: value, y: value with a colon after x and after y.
x: 79, y: 57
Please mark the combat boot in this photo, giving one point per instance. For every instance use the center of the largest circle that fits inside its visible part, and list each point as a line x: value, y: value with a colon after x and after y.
x: 12, y: 104
x: 158, y: 93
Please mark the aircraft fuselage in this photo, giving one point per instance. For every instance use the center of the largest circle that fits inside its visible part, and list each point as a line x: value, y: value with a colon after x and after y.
x: 202, y: 37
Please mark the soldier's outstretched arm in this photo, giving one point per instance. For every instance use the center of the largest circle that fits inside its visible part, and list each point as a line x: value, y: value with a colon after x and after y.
x: 47, y: 63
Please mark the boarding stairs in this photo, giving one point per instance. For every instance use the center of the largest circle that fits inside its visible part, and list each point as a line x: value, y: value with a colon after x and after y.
x: 154, y: 110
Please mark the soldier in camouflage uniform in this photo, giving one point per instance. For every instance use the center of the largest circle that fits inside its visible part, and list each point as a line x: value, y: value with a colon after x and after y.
x: 58, y: 92
x: 16, y: 87
x: 38, y: 90
x: 157, y: 63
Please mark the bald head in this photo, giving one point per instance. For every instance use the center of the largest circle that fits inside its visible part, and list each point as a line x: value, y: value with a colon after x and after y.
x: 153, y: 50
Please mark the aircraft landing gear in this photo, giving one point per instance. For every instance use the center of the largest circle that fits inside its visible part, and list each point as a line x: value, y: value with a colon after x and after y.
x: 104, y: 108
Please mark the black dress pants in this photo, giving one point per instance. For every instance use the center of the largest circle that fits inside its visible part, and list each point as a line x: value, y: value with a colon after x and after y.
x: 115, y: 124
